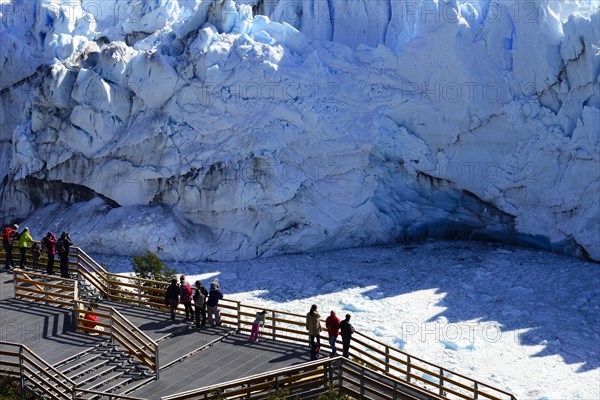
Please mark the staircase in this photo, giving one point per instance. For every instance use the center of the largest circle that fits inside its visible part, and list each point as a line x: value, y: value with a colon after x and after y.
x: 87, y: 291
x: 105, y: 368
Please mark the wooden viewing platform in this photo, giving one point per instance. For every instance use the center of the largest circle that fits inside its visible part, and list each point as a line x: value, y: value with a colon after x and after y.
x: 140, y: 353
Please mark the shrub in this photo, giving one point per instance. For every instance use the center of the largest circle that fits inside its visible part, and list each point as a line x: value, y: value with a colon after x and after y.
x: 149, y: 266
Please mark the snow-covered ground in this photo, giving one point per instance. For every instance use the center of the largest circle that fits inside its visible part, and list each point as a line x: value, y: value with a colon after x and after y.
x: 523, y: 320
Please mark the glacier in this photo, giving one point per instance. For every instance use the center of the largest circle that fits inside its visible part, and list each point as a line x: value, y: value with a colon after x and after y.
x: 221, y: 130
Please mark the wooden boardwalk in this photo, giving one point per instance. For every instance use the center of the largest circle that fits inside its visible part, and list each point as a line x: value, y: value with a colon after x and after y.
x: 46, y: 330
x: 189, y: 358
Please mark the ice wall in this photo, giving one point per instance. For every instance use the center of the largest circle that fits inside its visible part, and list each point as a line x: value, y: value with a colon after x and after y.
x: 199, y: 129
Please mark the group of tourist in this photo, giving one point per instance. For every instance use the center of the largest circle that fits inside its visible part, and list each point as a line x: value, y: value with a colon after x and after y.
x: 334, y: 327
x: 205, y: 302
x: 11, y: 237
x: 200, y: 304
x: 205, y: 306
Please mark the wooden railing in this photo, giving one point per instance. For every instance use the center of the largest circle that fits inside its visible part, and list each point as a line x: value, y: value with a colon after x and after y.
x: 44, y: 288
x: 311, y: 380
x: 379, y: 356
x: 287, y: 326
x: 313, y: 377
x: 19, y: 361
x: 113, y: 324
x: 37, y: 376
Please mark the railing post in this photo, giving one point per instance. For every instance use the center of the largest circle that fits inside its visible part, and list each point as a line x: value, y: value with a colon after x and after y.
x: 15, y: 285
x: 362, y: 382
x: 441, y: 382
x: 112, y: 336
x: 340, y: 380
x: 21, y: 372
x: 156, y: 362
x: 75, y: 312
x: 387, y: 359
x: 139, y: 293
x: 239, y: 316
x: 395, y: 394
x: 476, y: 388
x: 407, y: 368
x: 273, y: 325
x: 45, y: 289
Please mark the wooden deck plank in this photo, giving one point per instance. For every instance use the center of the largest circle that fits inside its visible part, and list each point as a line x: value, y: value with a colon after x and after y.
x: 233, y: 358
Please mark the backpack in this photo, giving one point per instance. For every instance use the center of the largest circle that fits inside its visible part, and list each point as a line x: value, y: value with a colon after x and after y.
x: 60, y: 246
x: 44, y: 248
x: 199, y: 298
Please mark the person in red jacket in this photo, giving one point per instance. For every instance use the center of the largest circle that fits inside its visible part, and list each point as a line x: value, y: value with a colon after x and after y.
x: 90, y: 319
x: 91, y: 322
x: 8, y: 237
x: 332, y: 323
x: 50, y: 244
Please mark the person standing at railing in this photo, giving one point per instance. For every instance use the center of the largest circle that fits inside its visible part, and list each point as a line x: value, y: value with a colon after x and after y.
x: 49, y: 242
x: 8, y: 236
x: 35, y: 255
x: 185, y: 297
x: 215, y: 294
x: 23, y: 243
x: 346, y: 330
x: 172, y: 297
x: 200, y: 304
x: 313, y: 326
x: 332, y: 323
x: 259, y: 322
x: 63, y: 245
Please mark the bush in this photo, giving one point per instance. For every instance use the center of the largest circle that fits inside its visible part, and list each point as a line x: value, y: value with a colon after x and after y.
x: 9, y: 388
x: 149, y: 266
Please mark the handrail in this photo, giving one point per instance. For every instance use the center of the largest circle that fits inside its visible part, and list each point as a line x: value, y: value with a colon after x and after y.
x: 41, y: 288
x: 447, y: 375
x: 37, y: 373
x: 31, y: 372
x: 311, y: 365
x: 137, y: 343
x: 317, y: 376
x: 111, y: 396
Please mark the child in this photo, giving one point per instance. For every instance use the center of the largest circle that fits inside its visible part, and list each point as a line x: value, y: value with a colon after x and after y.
x: 315, y: 352
x: 258, y: 322
x: 35, y: 254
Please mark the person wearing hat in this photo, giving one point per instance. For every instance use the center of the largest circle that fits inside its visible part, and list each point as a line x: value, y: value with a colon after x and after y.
x: 259, y: 321
x: 62, y: 247
x: 23, y: 243
x: 200, y: 304
x: 8, y: 236
x: 215, y: 294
